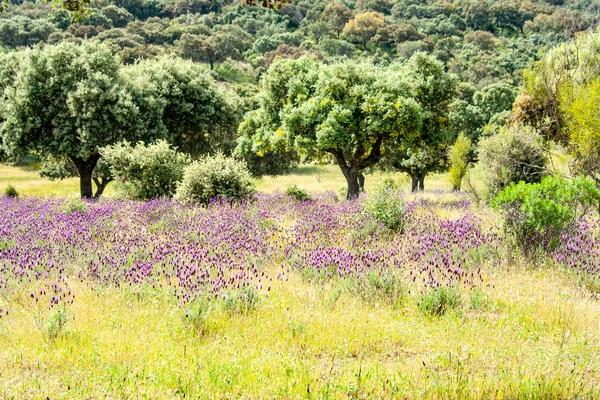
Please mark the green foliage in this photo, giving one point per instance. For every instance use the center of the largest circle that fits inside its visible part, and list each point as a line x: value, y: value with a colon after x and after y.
x: 147, y: 172
x: 10, y: 191
x: 215, y: 177
x: 297, y: 193
x: 242, y: 301
x: 514, y: 154
x: 73, y: 205
x: 199, y: 116
x: 197, y: 315
x: 458, y: 159
x: 386, y: 206
x: 54, y: 325
x: 374, y: 287
x: 66, y: 101
x: 437, y: 302
x: 536, y: 215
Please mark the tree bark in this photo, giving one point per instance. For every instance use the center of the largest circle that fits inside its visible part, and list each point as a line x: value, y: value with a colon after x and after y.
x: 353, y: 186
x: 415, y: 183
x: 100, y: 186
x: 85, y: 169
x: 361, y: 182
x: 418, y: 183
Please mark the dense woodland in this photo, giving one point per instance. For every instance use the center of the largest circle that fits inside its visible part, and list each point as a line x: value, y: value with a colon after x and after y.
x: 440, y: 68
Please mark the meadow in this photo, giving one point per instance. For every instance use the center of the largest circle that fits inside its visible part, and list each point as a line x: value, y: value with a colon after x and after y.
x: 277, y: 298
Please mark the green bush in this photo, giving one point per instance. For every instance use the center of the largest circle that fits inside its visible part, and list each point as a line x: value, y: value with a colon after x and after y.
x: 536, y: 215
x: 215, y: 177
x: 383, y: 287
x: 458, y: 158
x: 242, y: 301
x: 385, y: 205
x: 73, y: 205
x: 513, y: 155
x: 297, y: 193
x: 10, y: 191
x: 437, y: 302
x: 146, y: 171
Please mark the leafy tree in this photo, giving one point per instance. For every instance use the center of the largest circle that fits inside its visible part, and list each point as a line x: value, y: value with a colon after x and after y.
x: 495, y: 98
x: 425, y: 152
x: 380, y: 6
x: 349, y: 111
x: 484, y: 40
x: 336, y: 15
x: 22, y: 31
x: 68, y: 101
x: 119, y: 17
x: 363, y: 27
x: 198, y: 116
x: 213, y: 49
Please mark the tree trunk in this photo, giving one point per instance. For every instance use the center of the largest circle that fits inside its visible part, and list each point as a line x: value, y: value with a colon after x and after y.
x: 212, y: 65
x: 85, y: 169
x: 100, y: 186
x: 418, y: 183
x: 353, y: 186
x: 415, y: 183
x: 361, y: 182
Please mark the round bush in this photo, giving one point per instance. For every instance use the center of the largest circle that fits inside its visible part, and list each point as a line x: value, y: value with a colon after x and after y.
x: 513, y: 155
x: 215, y: 177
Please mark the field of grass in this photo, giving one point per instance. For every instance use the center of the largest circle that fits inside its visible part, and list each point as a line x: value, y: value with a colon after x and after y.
x: 315, y: 179
x: 525, y: 330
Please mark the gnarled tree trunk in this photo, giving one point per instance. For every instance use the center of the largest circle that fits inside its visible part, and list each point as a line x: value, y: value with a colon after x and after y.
x: 85, y: 169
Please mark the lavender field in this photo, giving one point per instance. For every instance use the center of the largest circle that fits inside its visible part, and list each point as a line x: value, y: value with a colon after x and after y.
x: 280, y: 298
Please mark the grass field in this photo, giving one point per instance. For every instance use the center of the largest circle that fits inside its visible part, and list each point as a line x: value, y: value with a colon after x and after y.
x: 315, y: 179
x: 528, y: 331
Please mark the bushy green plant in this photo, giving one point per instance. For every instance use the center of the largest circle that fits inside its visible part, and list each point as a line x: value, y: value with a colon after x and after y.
x: 73, y: 205
x: 197, y: 315
x: 536, y: 215
x: 297, y: 193
x: 10, y: 191
x: 458, y: 158
x: 146, y: 171
x: 385, y: 205
x: 215, y: 177
x: 241, y: 301
x: 382, y: 286
x: 514, y: 154
x: 437, y: 302
x: 53, y: 325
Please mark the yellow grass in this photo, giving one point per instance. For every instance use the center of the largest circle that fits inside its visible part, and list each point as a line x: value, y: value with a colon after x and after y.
x: 535, y: 335
x: 530, y: 333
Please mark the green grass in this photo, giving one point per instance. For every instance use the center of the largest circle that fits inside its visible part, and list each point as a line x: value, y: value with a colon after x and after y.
x: 531, y: 333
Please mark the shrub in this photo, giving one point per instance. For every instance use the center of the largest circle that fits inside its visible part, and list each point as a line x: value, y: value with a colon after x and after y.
x: 278, y: 161
x: 386, y: 205
x: 213, y: 177
x: 437, y: 302
x: 197, y: 315
x: 458, y: 158
x: 242, y: 301
x: 297, y: 193
x: 10, y: 191
x: 514, y: 154
x: 146, y: 171
x: 536, y: 215
x: 73, y: 205
x: 381, y: 286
